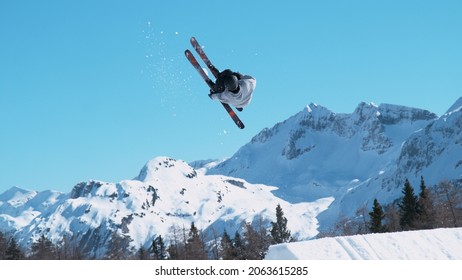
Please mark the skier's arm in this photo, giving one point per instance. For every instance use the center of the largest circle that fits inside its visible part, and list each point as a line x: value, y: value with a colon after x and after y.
x: 213, y: 95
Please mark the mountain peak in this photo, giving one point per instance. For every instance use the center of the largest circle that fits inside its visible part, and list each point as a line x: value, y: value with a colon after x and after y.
x: 315, y: 109
x: 365, y: 111
x: 17, y: 196
x: 311, y: 107
x: 369, y: 105
x: 165, y: 167
x: 314, y: 116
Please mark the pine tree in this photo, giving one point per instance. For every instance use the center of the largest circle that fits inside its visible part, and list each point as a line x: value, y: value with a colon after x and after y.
x: 13, y: 252
x: 195, y: 246
x: 71, y: 248
x: 377, y: 215
x: 238, y: 247
x: 142, y: 254
x: 226, y: 248
x: 158, y: 248
x: 118, y: 247
x: 427, y: 216
x: 408, y: 206
x: 279, y: 231
x: 43, y: 249
x: 423, y: 188
x: 3, y: 246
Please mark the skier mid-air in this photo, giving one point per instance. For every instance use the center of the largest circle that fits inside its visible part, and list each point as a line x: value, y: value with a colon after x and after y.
x: 233, y: 88
x: 230, y: 88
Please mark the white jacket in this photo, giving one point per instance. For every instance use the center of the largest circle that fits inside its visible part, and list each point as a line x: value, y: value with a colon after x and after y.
x: 246, y: 86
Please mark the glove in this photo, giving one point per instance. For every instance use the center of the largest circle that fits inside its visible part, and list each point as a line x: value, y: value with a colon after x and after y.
x: 211, y: 94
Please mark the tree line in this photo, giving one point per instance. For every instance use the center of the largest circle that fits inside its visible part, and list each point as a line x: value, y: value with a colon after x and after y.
x: 250, y: 242
x: 431, y: 208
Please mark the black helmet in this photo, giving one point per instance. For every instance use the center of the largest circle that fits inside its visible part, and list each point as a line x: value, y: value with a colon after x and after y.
x: 231, y: 82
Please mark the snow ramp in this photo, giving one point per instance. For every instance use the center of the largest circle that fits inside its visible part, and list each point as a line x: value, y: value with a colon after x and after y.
x: 436, y: 244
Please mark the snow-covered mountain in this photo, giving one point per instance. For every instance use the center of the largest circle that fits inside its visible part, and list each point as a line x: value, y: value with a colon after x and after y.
x: 317, y: 153
x: 19, y: 207
x: 166, y: 193
x: 436, y: 150
x: 352, y: 158
x: 436, y: 244
x: 318, y: 165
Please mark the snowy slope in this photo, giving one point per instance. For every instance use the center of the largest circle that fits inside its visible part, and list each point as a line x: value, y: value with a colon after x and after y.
x: 166, y: 193
x: 437, y: 244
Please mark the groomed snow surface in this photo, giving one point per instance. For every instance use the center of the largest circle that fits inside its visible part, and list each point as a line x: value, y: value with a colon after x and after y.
x: 436, y: 244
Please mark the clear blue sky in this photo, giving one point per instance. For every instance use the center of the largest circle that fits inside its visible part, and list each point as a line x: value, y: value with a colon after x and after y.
x: 94, y: 89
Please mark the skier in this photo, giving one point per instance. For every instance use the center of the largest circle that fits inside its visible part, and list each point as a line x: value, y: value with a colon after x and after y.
x: 233, y: 88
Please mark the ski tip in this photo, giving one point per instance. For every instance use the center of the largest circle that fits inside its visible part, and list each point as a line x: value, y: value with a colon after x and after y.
x: 193, y: 39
